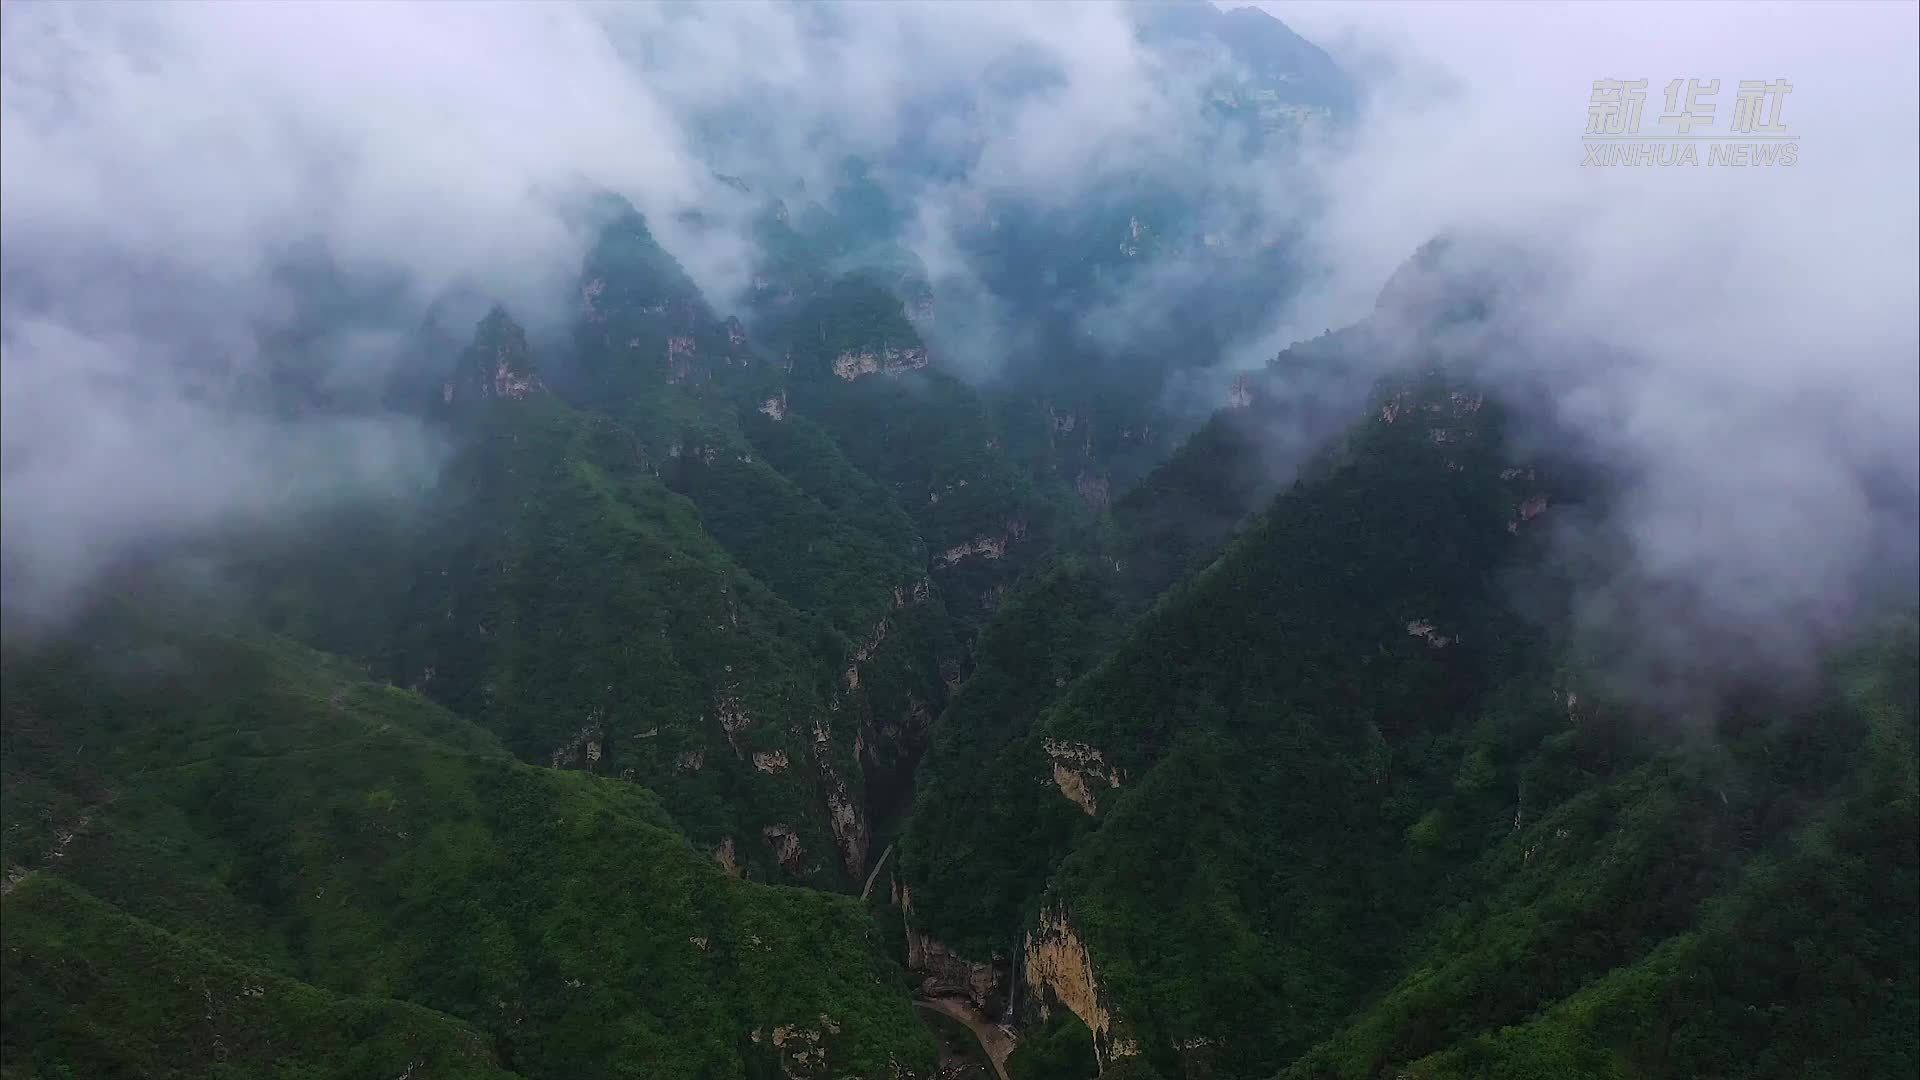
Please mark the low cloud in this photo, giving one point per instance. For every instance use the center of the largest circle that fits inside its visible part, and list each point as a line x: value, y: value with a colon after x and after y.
x: 162, y: 160
x: 1737, y: 346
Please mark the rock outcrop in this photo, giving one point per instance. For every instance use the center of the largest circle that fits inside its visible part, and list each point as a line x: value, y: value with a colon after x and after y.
x: 728, y: 857
x: 1059, y: 971
x: 887, y: 360
x: 584, y: 749
x: 1080, y: 772
x: 785, y: 843
x: 844, y: 815
x: 802, y: 1048
x: 985, y: 545
x: 1531, y: 507
x: 948, y: 974
x: 1421, y: 628
x: 733, y: 720
x: 498, y: 365
x: 1094, y: 491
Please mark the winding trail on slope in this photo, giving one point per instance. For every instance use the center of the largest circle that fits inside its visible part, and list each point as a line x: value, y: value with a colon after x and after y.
x: 995, y: 1040
x: 875, y: 872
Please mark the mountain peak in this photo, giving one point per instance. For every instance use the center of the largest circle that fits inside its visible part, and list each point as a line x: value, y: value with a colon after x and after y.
x: 498, y: 364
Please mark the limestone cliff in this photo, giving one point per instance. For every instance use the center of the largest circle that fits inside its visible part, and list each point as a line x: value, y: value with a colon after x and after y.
x: 947, y: 974
x: 844, y: 814
x: 1081, y: 772
x: 498, y: 365
x: 986, y: 545
x: 1058, y: 972
x: 851, y: 364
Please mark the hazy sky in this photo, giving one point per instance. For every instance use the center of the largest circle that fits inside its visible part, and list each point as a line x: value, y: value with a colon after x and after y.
x: 157, y: 157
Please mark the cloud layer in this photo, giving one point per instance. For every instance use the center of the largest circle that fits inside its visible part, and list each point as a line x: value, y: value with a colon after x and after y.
x: 1757, y: 325
x: 1737, y: 345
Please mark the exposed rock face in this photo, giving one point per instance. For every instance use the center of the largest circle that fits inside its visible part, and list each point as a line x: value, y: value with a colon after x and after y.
x: 949, y: 974
x: 690, y: 762
x: 770, y: 761
x: 1394, y: 407
x: 1079, y: 771
x: 728, y: 857
x: 511, y: 386
x: 583, y: 749
x: 1421, y: 628
x: 681, y: 353
x: 1240, y: 396
x: 1531, y: 508
x: 866, y: 651
x: 733, y: 720
x: 1093, y: 490
x: 786, y: 847
x: 705, y: 455
x: 802, y: 1053
x: 499, y: 364
x: 888, y: 360
x: 775, y: 407
x: 920, y: 312
x: 991, y: 547
x: 1059, y: 970
x: 849, y: 825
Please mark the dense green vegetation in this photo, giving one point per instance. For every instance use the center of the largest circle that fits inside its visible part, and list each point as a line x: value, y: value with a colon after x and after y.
x: 985, y: 827
x: 96, y: 992
x: 1060, y: 1051
x: 1303, y: 765
x: 305, y: 846
x: 636, y: 566
x: 1360, y: 827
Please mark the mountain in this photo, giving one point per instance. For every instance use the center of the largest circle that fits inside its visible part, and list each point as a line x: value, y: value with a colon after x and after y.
x: 969, y: 666
x: 1284, y: 762
x: 229, y: 855
x: 1339, y: 803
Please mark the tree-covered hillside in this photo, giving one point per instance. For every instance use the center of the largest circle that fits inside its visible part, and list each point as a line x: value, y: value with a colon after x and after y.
x: 1333, y: 808
x: 229, y: 855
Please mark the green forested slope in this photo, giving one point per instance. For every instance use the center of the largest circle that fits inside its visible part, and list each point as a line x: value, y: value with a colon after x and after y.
x: 1343, y: 811
x: 1257, y: 774
x: 642, y: 564
x: 304, y: 851
x: 984, y: 830
x: 93, y: 991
